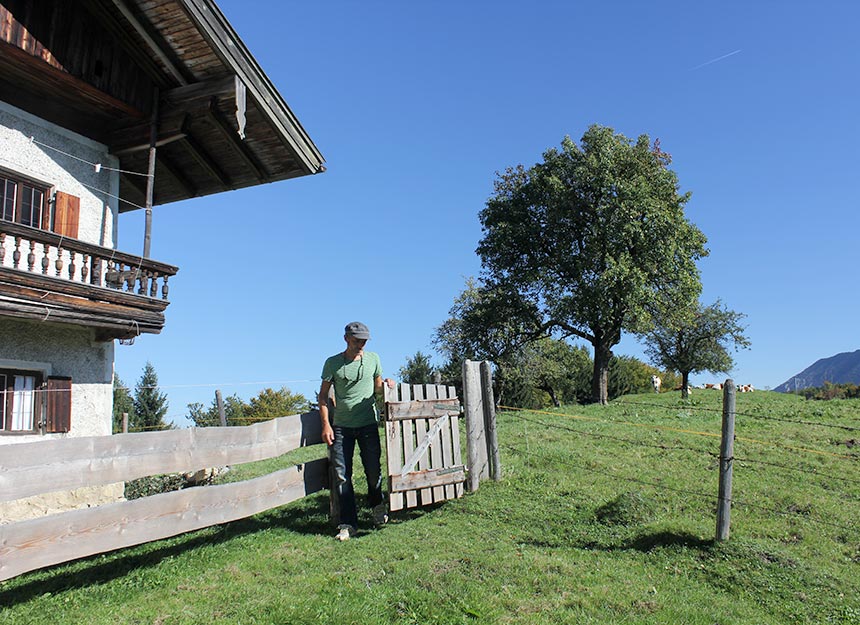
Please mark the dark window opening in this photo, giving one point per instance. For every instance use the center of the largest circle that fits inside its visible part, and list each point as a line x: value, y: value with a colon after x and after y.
x: 22, y: 201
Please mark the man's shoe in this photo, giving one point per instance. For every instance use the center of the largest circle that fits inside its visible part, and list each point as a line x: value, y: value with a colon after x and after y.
x: 380, y: 514
x: 345, y: 532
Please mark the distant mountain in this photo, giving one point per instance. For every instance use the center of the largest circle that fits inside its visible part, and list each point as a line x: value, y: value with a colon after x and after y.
x: 839, y: 369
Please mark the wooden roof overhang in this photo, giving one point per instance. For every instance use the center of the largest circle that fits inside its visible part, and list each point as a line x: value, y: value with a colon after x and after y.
x: 107, y: 68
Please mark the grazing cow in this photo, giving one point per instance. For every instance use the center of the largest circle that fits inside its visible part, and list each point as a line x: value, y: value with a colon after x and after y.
x: 716, y: 386
x: 656, y: 382
x: 745, y: 388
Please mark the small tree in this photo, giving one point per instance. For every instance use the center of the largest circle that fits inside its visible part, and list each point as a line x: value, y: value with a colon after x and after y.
x: 698, y: 342
x: 234, y: 412
x: 549, y: 372
x: 150, y: 404
x: 270, y: 404
x: 122, y: 403
x: 417, y: 370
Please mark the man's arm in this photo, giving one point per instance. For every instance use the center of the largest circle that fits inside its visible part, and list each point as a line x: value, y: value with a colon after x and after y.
x: 379, y: 393
x: 378, y: 383
x: 322, y: 399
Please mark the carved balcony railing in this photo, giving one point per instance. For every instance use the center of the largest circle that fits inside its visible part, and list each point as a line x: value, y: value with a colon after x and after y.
x: 80, y: 282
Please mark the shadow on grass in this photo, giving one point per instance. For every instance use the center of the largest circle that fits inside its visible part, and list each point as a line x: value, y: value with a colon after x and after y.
x: 310, y: 518
x: 645, y: 542
x: 659, y: 540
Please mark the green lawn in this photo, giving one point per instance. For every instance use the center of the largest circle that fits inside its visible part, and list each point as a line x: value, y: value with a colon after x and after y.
x: 606, y: 518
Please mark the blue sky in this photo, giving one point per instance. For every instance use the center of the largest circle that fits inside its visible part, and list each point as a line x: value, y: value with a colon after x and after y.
x: 415, y: 106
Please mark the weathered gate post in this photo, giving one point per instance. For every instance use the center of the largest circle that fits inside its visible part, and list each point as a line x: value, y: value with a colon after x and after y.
x: 476, y: 440
x: 727, y: 456
x: 490, y: 421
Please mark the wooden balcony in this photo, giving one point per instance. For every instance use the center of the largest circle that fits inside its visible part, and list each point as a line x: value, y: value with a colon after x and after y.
x: 48, y: 277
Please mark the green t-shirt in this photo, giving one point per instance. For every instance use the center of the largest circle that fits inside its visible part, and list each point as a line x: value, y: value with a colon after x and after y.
x: 355, y: 405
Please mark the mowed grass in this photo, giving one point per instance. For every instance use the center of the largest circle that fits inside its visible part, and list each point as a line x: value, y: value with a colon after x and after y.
x: 603, y: 515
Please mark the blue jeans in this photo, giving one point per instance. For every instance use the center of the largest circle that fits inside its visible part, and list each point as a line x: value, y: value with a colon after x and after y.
x: 342, y: 451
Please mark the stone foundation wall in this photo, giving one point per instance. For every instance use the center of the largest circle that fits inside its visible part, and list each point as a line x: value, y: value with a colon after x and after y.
x: 52, y: 503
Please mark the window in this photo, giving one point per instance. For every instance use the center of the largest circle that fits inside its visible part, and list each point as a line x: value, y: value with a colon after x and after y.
x: 23, y: 201
x: 20, y: 407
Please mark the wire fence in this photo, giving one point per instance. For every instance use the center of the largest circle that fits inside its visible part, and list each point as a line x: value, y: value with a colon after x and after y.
x: 533, y: 417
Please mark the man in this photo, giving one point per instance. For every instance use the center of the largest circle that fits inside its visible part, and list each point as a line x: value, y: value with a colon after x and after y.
x: 356, y: 376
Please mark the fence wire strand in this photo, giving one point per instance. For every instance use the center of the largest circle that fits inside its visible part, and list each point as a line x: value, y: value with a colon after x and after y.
x: 709, y: 497
x: 849, y: 428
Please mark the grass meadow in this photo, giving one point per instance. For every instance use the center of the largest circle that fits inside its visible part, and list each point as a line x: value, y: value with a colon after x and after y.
x: 603, y: 515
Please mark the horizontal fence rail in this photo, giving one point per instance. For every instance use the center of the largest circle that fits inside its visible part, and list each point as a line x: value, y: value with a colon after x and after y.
x: 29, y: 469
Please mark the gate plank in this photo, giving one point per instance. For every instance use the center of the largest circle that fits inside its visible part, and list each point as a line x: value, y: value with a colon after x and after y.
x: 447, y: 452
x: 426, y: 494
x: 455, y: 444
x: 435, y: 451
x: 431, y: 478
x: 394, y: 450
x: 423, y: 408
x: 408, y: 442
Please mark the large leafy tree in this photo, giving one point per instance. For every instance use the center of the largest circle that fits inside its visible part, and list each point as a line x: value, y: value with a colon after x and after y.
x: 150, y: 404
x: 585, y: 242
x: 531, y: 371
x: 550, y: 369
x: 702, y: 341
x: 483, y: 324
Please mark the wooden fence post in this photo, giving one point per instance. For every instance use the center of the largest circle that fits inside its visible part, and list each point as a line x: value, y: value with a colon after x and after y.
x: 476, y: 442
x: 490, y: 421
x: 727, y: 446
x: 220, y: 402
x: 333, y: 496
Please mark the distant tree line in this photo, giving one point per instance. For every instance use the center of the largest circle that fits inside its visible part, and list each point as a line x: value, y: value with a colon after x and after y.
x: 266, y: 405
x: 831, y: 391
x: 147, y: 406
x: 545, y: 373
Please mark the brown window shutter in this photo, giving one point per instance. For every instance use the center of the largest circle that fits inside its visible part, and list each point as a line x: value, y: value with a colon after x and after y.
x: 67, y: 209
x: 58, y: 416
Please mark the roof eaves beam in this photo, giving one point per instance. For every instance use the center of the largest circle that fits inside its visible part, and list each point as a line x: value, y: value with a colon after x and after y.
x: 149, y: 38
x: 214, y: 26
x: 203, y: 159
x: 230, y: 133
x: 172, y: 170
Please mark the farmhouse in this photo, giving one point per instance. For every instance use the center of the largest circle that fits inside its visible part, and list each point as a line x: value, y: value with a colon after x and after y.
x: 109, y: 106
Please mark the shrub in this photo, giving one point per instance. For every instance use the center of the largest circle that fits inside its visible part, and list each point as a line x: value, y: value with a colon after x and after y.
x: 631, y: 508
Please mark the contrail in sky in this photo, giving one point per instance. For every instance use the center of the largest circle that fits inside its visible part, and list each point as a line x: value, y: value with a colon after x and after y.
x: 719, y: 58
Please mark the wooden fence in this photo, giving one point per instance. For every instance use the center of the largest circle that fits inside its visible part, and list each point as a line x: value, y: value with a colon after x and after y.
x: 435, y: 473
x: 28, y: 469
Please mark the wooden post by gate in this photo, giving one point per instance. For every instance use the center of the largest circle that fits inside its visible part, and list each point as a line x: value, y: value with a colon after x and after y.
x: 423, y: 445
x: 481, y: 439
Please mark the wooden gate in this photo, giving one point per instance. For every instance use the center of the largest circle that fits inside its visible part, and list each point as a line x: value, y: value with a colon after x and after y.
x: 423, y: 443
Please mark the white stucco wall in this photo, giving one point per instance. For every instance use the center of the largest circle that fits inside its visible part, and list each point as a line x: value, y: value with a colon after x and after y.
x: 63, y: 350
x: 62, y: 160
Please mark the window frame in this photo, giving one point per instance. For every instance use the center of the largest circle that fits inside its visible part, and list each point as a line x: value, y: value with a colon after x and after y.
x: 8, y: 397
x: 19, y: 181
